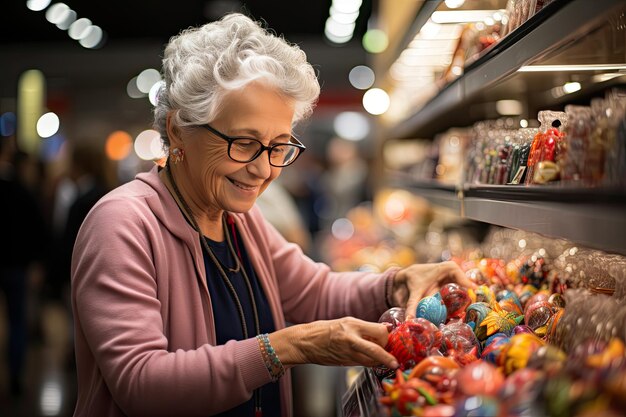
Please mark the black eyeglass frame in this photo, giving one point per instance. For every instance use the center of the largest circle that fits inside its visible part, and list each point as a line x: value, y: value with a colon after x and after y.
x: 262, y: 148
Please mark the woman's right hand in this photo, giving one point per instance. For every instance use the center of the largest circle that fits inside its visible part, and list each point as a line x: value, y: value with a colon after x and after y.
x: 347, y: 341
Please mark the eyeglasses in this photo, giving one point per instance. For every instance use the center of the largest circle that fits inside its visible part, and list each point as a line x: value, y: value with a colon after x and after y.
x: 248, y: 149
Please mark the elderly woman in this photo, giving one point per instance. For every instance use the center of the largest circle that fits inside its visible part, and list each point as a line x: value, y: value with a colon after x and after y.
x: 181, y: 289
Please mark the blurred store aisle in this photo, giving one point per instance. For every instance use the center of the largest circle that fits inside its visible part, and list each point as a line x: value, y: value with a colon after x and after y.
x: 49, y: 383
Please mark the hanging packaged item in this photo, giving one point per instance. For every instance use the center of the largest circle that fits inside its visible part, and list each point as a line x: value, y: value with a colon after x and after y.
x: 542, y: 167
x: 612, y: 131
x: 518, y: 157
x: 577, y: 152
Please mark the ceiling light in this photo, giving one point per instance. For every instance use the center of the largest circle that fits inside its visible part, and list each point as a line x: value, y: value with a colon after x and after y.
x: 509, y: 107
x: 454, y: 4
x: 600, y: 78
x: 37, y: 5
x: 344, y: 18
x: 571, y: 87
x: 347, y: 6
x: 339, y: 29
x: 57, y: 13
x: 79, y: 29
x: 93, y: 39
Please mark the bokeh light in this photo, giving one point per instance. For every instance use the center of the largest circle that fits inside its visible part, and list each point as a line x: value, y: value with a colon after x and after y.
x: 375, y: 41
x: 79, y: 29
x: 118, y: 145
x: 37, y: 5
x: 7, y: 124
x: 147, y: 144
x: 146, y: 79
x: 47, y: 125
x: 376, y: 101
x: 93, y: 39
x: 361, y: 77
x: 342, y: 229
x: 57, y: 13
x: 351, y: 125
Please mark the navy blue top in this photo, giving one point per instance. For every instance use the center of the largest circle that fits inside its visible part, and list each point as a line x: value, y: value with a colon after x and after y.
x: 227, y: 321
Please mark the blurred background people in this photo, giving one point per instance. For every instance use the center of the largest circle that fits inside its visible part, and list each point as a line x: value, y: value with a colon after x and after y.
x: 85, y: 180
x: 23, y: 245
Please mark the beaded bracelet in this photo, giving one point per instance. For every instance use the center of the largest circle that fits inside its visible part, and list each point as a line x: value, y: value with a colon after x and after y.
x: 272, y: 363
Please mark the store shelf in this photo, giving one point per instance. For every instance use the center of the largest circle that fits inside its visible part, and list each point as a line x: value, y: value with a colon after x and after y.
x: 592, y: 225
x: 594, y: 218
x: 559, y: 24
x: 437, y: 193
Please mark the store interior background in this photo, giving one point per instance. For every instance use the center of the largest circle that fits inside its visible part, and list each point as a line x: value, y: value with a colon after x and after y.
x: 87, y: 89
x: 340, y: 175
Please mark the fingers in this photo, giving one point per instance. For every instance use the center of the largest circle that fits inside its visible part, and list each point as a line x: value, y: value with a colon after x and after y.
x: 371, y: 354
x: 411, y: 305
x: 456, y: 273
x: 366, y: 344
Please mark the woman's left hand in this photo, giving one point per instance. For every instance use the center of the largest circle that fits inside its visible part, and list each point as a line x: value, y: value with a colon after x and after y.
x: 413, y: 283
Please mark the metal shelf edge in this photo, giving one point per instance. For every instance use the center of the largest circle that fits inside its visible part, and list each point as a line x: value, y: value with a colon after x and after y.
x: 600, y: 227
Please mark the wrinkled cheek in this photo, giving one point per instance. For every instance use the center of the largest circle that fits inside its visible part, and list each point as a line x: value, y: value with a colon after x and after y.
x: 210, y: 171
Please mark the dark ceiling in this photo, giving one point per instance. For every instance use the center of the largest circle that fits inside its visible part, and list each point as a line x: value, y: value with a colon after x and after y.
x: 160, y: 19
x: 89, y: 86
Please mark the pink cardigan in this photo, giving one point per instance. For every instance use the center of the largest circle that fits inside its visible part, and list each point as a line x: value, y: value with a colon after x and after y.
x: 144, y: 331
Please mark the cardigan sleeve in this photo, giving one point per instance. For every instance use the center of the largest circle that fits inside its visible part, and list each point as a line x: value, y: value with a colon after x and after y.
x: 120, y: 329
x: 310, y: 290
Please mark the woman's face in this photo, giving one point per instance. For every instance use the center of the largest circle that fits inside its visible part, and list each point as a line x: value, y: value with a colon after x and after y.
x: 219, y: 183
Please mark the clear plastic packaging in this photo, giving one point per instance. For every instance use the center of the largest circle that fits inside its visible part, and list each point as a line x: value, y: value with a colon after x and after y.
x: 575, y: 150
x: 541, y: 160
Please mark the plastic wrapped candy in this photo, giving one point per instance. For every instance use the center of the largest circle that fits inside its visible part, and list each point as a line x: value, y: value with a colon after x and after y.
x: 432, y: 309
x: 394, y: 316
x: 455, y: 298
x: 412, y: 341
x: 522, y: 328
x: 556, y: 300
x: 525, y: 293
x: 534, y: 271
x: 545, y: 146
x: 431, y: 362
x: 481, y: 294
x: 475, y: 313
x: 498, y: 320
x: 553, y: 326
x: 520, y: 392
x: 477, y: 406
x: 476, y: 276
x: 516, y: 353
x: 538, y: 296
x: 547, y: 358
x: 511, y: 306
x: 505, y: 297
x: 480, y: 378
x: 403, y: 396
x: 494, y: 347
x: 459, y: 337
x: 537, y: 316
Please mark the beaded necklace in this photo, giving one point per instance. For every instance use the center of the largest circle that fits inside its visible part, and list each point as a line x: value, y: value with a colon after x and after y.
x: 222, y: 269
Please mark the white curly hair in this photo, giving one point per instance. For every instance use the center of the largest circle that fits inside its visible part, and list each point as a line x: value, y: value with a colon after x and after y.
x: 202, y: 65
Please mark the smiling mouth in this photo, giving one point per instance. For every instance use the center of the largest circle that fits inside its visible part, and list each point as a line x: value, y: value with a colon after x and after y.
x: 242, y: 185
